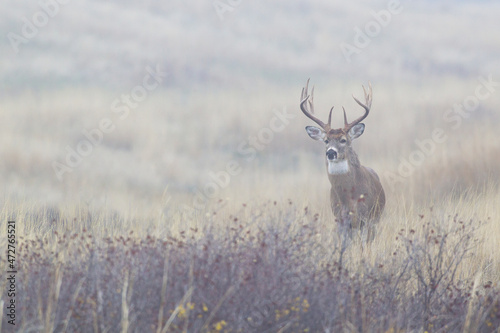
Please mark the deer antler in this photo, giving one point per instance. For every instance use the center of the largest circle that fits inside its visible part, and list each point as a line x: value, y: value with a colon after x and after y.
x: 307, y: 106
x: 366, y: 106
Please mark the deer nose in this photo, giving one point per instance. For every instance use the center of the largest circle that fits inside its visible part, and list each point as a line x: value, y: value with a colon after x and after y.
x: 331, y: 154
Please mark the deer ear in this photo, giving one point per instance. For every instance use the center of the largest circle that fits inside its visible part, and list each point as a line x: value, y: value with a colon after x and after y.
x: 316, y: 133
x: 356, y: 131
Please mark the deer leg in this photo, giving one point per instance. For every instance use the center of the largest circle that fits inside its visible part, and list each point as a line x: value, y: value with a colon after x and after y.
x: 371, y: 232
x: 346, y: 220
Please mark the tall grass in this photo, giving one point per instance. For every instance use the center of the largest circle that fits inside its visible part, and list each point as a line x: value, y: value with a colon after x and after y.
x: 278, y: 267
x: 116, y: 246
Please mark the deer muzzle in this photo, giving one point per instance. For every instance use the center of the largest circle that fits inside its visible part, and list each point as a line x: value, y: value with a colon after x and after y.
x: 331, y: 154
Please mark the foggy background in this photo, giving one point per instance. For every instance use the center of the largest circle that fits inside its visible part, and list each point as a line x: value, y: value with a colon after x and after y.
x: 229, y: 66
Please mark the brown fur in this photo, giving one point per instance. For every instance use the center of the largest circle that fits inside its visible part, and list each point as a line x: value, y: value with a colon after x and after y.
x: 357, y: 197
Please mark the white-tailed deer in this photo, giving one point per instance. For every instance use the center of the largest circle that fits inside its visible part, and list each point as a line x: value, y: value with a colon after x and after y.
x: 356, y: 196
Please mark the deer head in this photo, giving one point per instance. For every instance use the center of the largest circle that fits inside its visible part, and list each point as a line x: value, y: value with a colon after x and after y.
x: 340, y: 156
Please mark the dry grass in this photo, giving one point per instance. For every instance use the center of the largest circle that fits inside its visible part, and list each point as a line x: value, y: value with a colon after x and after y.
x: 266, y: 267
x: 116, y: 245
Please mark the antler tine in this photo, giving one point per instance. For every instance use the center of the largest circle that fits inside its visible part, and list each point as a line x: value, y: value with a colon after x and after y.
x: 330, y: 118
x: 311, y: 101
x: 345, y: 118
x: 367, y: 106
x: 304, y: 91
x: 305, y: 109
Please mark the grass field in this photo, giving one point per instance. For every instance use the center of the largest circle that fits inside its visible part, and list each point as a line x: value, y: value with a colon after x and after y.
x: 204, y: 206
x: 128, y: 245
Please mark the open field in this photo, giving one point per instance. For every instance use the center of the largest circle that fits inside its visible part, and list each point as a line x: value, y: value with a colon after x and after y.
x: 256, y: 232
x: 203, y: 206
x: 271, y: 265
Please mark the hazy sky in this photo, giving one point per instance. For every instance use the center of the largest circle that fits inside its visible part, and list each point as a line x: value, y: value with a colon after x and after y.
x: 225, y: 43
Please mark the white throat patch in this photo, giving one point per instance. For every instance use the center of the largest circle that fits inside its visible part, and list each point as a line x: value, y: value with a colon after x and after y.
x: 338, y: 168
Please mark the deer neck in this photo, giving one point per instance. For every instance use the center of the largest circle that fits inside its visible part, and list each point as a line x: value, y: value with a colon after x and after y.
x: 335, y: 168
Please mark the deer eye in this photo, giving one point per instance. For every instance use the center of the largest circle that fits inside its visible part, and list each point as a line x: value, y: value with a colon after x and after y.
x: 326, y: 141
x: 343, y: 140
